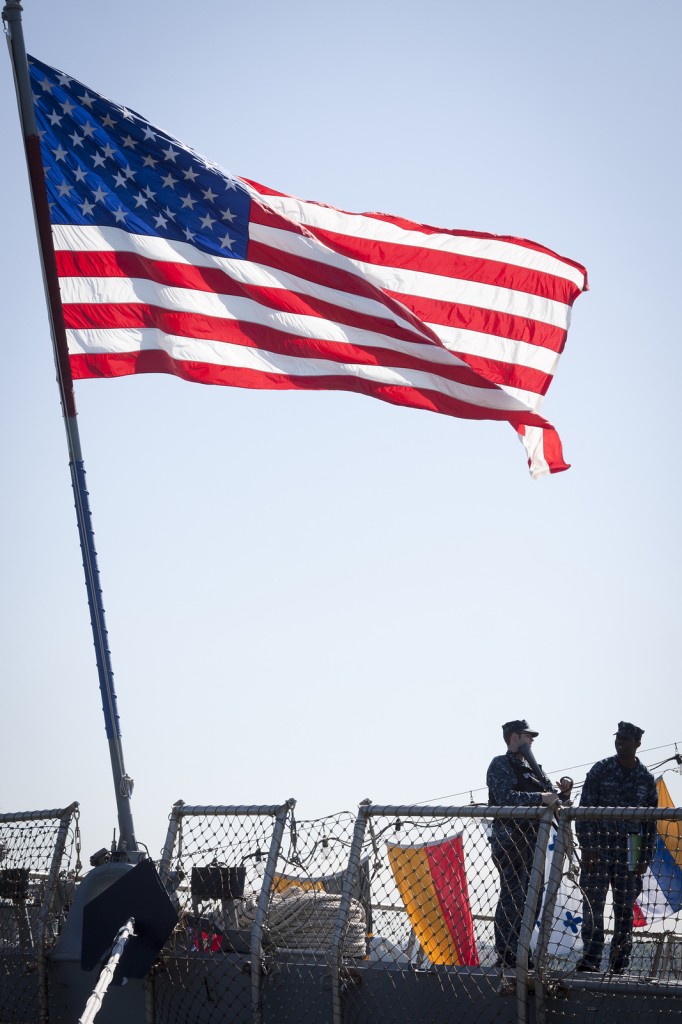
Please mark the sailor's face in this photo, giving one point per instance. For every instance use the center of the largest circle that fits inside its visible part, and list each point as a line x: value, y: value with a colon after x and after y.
x: 519, y: 739
x: 626, y: 746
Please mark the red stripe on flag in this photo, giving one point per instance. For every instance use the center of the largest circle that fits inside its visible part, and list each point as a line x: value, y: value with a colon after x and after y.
x: 427, y: 229
x: 639, y: 920
x: 446, y: 861
x: 484, y: 321
x: 452, y: 265
x: 126, y: 265
x: 154, y: 361
x: 513, y: 375
x: 122, y: 316
x: 212, y: 280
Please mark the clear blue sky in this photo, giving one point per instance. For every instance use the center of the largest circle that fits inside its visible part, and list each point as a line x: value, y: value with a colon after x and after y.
x: 320, y: 595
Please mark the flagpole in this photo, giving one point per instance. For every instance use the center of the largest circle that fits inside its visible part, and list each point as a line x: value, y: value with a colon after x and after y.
x: 123, y: 784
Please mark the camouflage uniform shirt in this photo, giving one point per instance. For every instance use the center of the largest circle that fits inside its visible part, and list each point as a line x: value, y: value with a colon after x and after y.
x: 609, y: 784
x: 511, y: 783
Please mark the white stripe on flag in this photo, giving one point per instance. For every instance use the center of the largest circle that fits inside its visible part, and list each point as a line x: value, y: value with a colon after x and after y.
x: 220, y: 353
x: 377, y: 229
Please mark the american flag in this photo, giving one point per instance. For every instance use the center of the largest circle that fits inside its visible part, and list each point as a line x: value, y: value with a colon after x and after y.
x: 168, y: 264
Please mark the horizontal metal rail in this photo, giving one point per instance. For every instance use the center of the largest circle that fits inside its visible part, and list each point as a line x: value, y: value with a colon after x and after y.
x: 484, y: 811
x: 59, y: 812
x: 622, y: 813
x: 227, y: 810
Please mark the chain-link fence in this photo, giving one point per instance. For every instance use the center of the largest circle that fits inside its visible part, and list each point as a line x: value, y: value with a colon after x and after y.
x: 610, y: 938
x: 414, y: 914
x: 37, y: 850
x: 219, y: 863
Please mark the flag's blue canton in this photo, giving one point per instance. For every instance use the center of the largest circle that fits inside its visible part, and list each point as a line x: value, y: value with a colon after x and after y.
x: 105, y: 165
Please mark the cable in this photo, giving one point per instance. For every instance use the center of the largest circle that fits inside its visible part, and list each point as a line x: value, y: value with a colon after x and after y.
x: 470, y: 792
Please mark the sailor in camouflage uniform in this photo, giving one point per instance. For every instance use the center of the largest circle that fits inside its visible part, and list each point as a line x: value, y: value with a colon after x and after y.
x: 620, y: 781
x: 512, y: 783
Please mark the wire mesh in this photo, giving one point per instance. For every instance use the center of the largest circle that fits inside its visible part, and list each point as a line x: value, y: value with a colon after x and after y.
x: 216, y: 866
x: 38, y: 851
x: 433, y: 893
x: 614, y: 934
x: 408, y: 915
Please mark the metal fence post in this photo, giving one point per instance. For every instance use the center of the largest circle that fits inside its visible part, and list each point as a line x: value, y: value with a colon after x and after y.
x: 261, y: 910
x: 350, y: 877
x: 535, y: 883
x: 551, y: 893
x: 169, y: 845
x: 48, y: 896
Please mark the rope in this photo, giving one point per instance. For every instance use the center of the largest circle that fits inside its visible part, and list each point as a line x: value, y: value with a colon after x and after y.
x: 299, y: 919
x: 94, y: 1003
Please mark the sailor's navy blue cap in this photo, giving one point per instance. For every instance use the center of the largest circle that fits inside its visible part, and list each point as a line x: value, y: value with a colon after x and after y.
x: 517, y: 725
x: 628, y: 729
